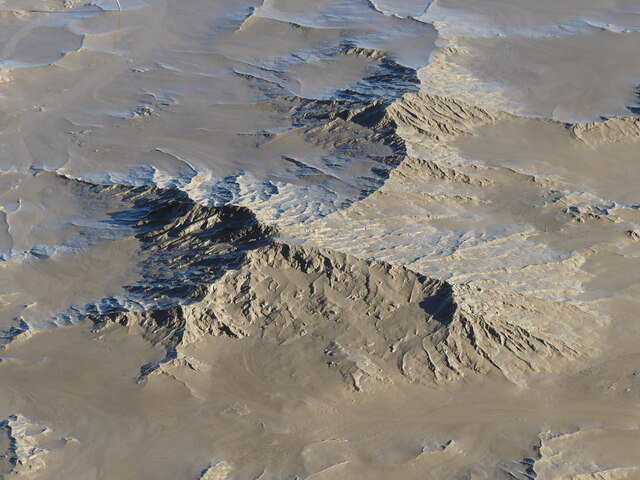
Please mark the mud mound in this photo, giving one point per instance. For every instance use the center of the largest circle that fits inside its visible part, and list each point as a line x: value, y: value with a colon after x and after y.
x: 218, y: 273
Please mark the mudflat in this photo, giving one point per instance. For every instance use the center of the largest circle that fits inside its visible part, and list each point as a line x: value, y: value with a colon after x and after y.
x: 355, y: 239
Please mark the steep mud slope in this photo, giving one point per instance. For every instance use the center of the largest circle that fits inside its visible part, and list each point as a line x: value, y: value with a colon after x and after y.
x: 440, y: 118
x: 215, y: 271
x: 478, y: 199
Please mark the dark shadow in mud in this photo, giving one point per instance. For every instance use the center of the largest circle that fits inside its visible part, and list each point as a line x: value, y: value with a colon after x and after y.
x: 353, y: 125
x: 364, y: 106
x: 186, y: 245
x: 635, y: 109
x: 11, y: 333
x: 9, y: 458
x: 440, y: 306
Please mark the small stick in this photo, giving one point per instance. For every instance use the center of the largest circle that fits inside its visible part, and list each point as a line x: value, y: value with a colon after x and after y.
x: 119, y: 6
